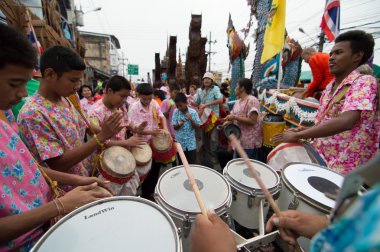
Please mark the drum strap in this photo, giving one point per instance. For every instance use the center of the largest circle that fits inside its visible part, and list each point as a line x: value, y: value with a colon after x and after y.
x: 314, y: 156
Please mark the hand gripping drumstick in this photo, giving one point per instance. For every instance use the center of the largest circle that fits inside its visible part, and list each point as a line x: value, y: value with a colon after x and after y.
x: 192, y: 180
x: 235, y: 142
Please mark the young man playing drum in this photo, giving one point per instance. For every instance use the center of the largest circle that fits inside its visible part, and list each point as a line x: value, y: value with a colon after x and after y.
x: 168, y: 106
x: 26, y: 203
x: 146, y: 110
x: 50, y: 124
x: 209, y: 96
x: 347, y: 124
x: 117, y: 90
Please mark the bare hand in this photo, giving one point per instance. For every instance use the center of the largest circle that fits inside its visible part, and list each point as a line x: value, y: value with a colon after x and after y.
x: 212, y: 235
x: 229, y: 118
x: 82, y: 181
x: 142, y: 126
x: 134, y: 141
x: 180, y: 123
x: 298, y: 129
x: 80, y: 196
x: 157, y: 132
x: 286, y: 137
x: 296, y: 223
x: 188, y: 116
x: 202, y: 106
x: 111, y: 126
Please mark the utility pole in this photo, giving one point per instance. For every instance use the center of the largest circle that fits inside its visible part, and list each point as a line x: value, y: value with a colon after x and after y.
x: 209, y: 52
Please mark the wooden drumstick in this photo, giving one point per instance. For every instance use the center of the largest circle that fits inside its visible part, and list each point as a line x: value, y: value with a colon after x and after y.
x: 236, y: 143
x: 191, y: 180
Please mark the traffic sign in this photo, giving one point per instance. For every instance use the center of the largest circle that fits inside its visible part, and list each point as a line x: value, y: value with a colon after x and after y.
x: 133, y: 69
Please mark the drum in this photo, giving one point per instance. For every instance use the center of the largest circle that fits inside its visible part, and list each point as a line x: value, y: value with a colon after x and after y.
x: 230, y: 129
x: 113, y: 224
x: 142, y: 154
x: 272, y: 125
x: 246, y: 193
x: 286, y: 153
x: 208, y: 119
x: 305, y: 187
x: 163, y: 148
x: 102, y: 189
x: 117, y: 164
x: 174, y: 193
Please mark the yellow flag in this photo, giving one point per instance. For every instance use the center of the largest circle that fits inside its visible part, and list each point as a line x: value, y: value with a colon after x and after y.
x: 275, y: 30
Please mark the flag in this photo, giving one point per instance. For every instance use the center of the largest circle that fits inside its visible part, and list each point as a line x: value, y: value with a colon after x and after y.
x: 331, y: 19
x: 275, y: 30
x: 34, y: 40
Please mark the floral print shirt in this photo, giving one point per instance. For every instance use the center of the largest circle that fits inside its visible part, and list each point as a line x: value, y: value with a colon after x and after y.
x: 185, y: 135
x: 87, y: 104
x: 212, y: 94
x: 166, y: 105
x: 22, y: 186
x: 251, y: 135
x: 349, y: 149
x: 50, y: 130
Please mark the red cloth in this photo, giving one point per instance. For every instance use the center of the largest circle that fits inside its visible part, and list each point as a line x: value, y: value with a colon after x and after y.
x: 319, y: 64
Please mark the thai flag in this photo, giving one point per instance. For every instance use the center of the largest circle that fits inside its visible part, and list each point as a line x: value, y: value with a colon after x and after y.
x: 331, y: 19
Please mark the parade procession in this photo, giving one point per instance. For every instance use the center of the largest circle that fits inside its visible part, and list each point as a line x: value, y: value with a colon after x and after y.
x: 189, y: 126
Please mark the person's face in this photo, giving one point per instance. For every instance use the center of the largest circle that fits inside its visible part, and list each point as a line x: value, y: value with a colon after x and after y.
x: 13, y: 81
x: 192, y: 90
x: 173, y: 93
x: 145, y: 99
x: 306, y: 57
x: 118, y: 98
x: 207, y: 82
x: 238, y: 90
x: 184, y: 90
x: 342, y: 59
x: 66, y: 85
x: 86, y: 92
x: 181, y: 106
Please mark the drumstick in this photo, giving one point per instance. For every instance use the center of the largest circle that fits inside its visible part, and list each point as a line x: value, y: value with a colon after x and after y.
x: 191, y: 180
x: 235, y: 142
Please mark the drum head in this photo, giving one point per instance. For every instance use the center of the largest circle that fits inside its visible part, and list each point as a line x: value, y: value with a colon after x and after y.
x: 113, y: 224
x: 238, y: 173
x: 162, y: 142
x: 174, y: 189
x: 313, y: 181
x: 118, y: 161
x: 232, y: 129
x: 142, y: 154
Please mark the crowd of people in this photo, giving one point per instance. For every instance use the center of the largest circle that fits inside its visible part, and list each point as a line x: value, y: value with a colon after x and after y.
x: 54, y: 139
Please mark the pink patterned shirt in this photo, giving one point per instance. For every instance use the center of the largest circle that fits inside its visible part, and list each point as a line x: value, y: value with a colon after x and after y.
x: 22, y: 185
x: 165, y: 106
x: 251, y: 136
x: 87, y: 104
x: 138, y: 114
x: 345, y: 151
x: 50, y: 130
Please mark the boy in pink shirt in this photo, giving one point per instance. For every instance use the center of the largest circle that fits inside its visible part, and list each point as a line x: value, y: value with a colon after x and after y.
x: 168, y: 106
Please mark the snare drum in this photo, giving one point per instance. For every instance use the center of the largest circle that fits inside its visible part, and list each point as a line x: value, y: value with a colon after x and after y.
x: 174, y: 193
x: 117, y: 164
x: 272, y: 125
x: 304, y: 188
x: 163, y: 148
x: 246, y: 193
x: 208, y: 119
x: 142, y: 154
x: 286, y: 153
x: 113, y: 224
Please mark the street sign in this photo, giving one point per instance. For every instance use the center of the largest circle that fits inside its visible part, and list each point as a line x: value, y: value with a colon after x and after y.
x: 133, y: 69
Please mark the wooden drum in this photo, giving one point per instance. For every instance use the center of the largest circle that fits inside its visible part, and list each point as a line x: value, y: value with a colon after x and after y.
x: 163, y: 148
x: 142, y: 154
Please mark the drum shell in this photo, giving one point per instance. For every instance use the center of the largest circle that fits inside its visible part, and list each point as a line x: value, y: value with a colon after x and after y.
x: 271, y: 129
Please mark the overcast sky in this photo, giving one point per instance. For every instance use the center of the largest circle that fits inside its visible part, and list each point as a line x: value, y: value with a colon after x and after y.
x: 142, y: 26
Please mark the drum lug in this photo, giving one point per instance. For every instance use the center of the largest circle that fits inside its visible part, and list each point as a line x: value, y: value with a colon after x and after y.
x: 294, y: 203
x: 251, y: 198
x: 234, y: 193
x: 228, y: 218
x: 186, y: 226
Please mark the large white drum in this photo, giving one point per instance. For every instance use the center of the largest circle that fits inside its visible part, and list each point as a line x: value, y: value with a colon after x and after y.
x: 246, y: 192
x: 174, y: 193
x: 305, y: 187
x: 114, y: 224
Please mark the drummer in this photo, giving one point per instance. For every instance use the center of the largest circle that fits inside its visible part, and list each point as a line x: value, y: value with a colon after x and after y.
x: 146, y: 110
x: 168, y: 106
x: 26, y: 203
x: 246, y: 115
x: 50, y: 124
x: 347, y: 133
x: 117, y: 90
x: 209, y: 96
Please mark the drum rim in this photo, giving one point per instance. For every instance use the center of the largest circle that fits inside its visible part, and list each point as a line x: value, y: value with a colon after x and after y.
x: 111, y: 172
x: 46, y: 235
x: 161, y: 150
x: 183, y: 214
x: 149, y: 149
x: 248, y: 190
x: 320, y: 206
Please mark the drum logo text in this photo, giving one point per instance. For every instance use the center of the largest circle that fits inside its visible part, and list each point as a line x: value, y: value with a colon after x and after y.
x: 102, y: 211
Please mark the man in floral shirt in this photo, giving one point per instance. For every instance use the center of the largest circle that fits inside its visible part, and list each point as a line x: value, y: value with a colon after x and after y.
x: 346, y: 130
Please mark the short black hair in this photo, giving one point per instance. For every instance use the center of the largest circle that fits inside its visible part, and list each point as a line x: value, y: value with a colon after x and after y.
x: 61, y: 59
x: 180, y: 97
x: 144, y: 89
x: 246, y: 84
x: 81, y: 90
x: 15, y: 49
x: 117, y: 83
x: 360, y: 41
x: 160, y: 94
x: 174, y: 87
